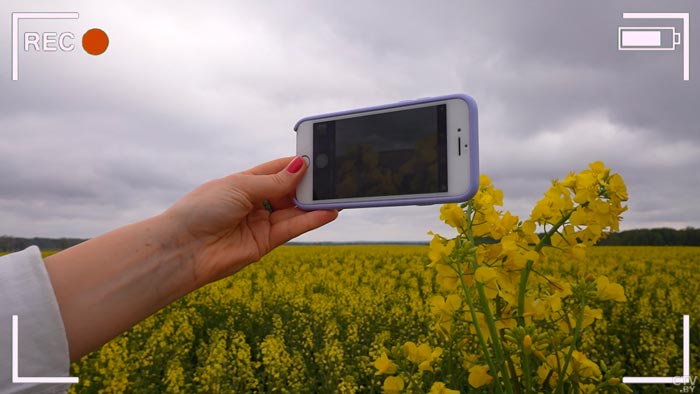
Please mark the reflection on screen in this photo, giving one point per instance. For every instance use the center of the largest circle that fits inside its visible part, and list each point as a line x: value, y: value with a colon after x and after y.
x: 395, y: 153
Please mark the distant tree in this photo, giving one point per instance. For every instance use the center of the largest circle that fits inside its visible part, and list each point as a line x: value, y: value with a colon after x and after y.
x: 13, y: 244
x: 654, y: 237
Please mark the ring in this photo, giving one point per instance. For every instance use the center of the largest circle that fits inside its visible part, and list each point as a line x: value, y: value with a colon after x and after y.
x: 267, y: 206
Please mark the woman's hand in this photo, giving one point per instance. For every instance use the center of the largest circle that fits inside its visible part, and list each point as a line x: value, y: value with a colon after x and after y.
x: 107, y: 284
x: 228, y: 220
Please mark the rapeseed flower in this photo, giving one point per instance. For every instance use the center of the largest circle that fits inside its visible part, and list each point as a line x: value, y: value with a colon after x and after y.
x: 384, y: 365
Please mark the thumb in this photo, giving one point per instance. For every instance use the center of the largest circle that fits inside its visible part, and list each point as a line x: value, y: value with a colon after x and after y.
x: 267, y: 186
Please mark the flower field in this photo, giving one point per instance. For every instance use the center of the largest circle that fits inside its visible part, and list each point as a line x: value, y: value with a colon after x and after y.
x: 315, y: 319
x: 495, y: 307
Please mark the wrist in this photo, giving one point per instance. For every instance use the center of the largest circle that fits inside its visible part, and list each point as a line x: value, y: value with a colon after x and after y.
x: 124, y: 276
x: 180, y: 253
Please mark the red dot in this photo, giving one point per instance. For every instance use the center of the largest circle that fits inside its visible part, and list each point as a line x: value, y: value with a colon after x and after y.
x: 95, y: 41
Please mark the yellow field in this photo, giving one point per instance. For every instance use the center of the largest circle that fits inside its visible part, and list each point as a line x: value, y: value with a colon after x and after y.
x: 310, y: 319
x: 44, y: 253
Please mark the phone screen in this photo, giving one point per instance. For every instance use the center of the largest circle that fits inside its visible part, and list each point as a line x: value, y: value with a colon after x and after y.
x: 393, y: 153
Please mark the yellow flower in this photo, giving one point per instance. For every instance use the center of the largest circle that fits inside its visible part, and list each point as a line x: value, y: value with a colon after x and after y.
x: 414, y: 354
x: 484, y: 274
x: 584, y: 367
x: 439, y: 388
x: 487, y: 196
x: 422, y: 355
x: 427, y: 364
x: 609, y: 291
x: 481, y: 321
x: 559, y: 286
x: 617, y: 188
x: 585, y: 180
x: 554, y: 302
x: 479, y: 376
x: 536, y: 308
x: 439, y: 250
x: 543, y: 372
x: 597, y: 167
x: 441, y: 306
x: 384, y: 365
x: 444, y: 328
x: 569, y: 181
x: 444, y: 308
x: 549, y: 209
x: 508, y: 243
x: 484, y: 181
x: 487, y: 276
x: 578, y: 252
x: 454, y: 216
x: 589, y: 316
x: 393, y: 385
x: 446, y: 277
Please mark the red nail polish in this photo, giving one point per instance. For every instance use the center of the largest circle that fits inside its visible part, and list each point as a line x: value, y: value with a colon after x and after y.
x: 295, y: 165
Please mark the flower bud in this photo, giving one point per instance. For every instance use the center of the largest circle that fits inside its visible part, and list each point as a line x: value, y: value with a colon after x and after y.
x: 539, y: 355
x: 615, y: 381
x: 527, y: 344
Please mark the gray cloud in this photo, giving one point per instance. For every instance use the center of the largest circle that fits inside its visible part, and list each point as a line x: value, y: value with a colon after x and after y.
x: 193, y: 91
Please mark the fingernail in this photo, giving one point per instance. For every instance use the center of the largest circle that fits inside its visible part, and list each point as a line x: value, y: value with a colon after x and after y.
x: 295, y: 165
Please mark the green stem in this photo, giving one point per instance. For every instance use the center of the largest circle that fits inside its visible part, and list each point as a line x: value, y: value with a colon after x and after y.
x: 410, y: 378
x: 495, y: 338
x: 511, y: 368
x: 572, y: 347
x: 528, y: 266
x: 477, y: 328
x: 526, y: 367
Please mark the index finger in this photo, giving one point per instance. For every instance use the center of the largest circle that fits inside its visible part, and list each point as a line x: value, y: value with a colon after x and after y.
x: 271, y: 167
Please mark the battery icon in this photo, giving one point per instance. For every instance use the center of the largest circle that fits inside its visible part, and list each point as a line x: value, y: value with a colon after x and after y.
x: 648, y: 38
x: 656, y: 38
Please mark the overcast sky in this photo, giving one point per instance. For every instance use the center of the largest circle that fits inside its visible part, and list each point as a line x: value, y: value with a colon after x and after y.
x: 190, y: 91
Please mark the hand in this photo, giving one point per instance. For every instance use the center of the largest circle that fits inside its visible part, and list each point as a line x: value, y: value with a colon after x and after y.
x: 109, y: 283
x: 227, y: 219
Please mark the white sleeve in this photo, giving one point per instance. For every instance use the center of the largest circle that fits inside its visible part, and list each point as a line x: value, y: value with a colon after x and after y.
x: 26, y: 291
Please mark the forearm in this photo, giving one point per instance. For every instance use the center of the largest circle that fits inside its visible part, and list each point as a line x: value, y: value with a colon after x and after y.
x: 106, y: 285
x: 109, y: 283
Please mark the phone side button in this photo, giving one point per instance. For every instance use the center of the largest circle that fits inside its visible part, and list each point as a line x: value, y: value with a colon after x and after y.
x: 307, y: 160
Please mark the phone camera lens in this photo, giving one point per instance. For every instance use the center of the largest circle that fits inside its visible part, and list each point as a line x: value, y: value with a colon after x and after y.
x: 321, y: 160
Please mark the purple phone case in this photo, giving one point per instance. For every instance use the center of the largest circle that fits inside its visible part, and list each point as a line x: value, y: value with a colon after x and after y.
x: 473, y: 158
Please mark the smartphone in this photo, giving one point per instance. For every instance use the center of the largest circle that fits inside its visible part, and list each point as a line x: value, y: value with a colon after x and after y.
x: 416, y: 152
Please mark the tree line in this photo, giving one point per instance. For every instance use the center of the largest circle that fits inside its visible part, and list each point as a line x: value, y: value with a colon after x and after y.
x: 642, y: 237
x: 654, y: 237
x: 13, y: 244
